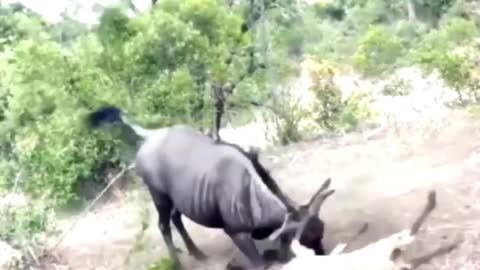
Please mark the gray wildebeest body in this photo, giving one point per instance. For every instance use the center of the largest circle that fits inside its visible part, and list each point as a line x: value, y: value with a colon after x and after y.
x: 217, y: 185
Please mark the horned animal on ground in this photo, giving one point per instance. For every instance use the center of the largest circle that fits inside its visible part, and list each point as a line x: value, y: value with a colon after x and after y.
x: 217, y: 185
x: 384, y: 254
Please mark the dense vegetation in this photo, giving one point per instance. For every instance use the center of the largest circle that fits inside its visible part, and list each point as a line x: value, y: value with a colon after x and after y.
x: 163, y: 64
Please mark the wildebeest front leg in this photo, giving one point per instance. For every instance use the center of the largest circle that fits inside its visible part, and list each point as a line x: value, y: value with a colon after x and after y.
x: 285, y: 252
x: 192, y: 248
x: 245, y: 243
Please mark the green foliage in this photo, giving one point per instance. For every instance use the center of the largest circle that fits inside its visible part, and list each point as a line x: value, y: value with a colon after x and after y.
x: 434, y: 9
x: 329, y: 96
x: 163, y: 264
x: 435, y: 52
x: 23, y: 226
x: 329, y: 9
x: 397, y: 87
x: 458, y: 30
x: 287, y: 115
x: 159, y: 66
x: 410, y: 32
x: 362, y: 15
x: 378, y: 51
x: 355, y: 111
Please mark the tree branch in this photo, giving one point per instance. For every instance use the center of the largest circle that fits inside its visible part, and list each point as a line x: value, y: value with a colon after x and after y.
x: 254, y: 15
x: 132, y: 6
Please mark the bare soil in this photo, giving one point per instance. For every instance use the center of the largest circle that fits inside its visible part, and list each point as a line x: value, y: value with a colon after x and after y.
x: 383, y: 181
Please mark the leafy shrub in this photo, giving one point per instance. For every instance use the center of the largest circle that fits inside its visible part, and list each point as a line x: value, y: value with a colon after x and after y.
x: 330, y: 42
x: 356, y: 110
x: 397, y: 87
x: 378, y: 51
x: 410, y: 32
x: 286, y: 114
x: 50, y: 142
x: 454, y: 69
x: 163, y: 264
x: 437, y: 52
x: 24, y: 225
x: 20, y: 224
x: 159, y: 66
x: 329, y: 96
x: 329, y: 9
x: 365, y: 13
x: 458, y: 30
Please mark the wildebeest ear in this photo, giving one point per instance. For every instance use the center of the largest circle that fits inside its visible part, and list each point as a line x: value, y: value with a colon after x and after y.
x: 395, y: 255
x: 319, y: 197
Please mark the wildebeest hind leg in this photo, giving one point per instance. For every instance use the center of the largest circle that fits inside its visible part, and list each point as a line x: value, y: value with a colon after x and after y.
x: 164, y: 207
x: 192, y: 248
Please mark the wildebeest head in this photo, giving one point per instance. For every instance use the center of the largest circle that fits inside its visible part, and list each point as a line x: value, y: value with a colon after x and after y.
x: 312, y: 233
x: 307, y: 217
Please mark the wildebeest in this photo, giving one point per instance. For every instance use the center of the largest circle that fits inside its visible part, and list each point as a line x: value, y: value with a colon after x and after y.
x: 384, y: 254
x: 216, y: 185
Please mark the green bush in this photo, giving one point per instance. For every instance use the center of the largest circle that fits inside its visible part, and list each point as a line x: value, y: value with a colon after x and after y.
x: 363, y: 14
x: 435, y: 52
x: 397, y: 87
x: 44, y: 120
x: 159, y: 66
x: 458, y: 30
x: 328, y: 95
x: 355, y: 111
x: 163, y: 264
x: 286, y: 115
x: 331, y: 112
x: 330, y: 42
x: 24, y: 227
x: 410, y: 32
x: 329, y: 9
x: 378, y: 51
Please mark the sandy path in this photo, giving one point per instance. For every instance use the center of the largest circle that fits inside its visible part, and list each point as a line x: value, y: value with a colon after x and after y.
x: 374, y: 183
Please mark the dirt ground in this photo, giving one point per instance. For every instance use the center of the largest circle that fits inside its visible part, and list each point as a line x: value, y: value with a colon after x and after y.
x: 383, y: 181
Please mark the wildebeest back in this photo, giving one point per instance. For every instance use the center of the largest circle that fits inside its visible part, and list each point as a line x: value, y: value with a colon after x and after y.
x: 214, y: 185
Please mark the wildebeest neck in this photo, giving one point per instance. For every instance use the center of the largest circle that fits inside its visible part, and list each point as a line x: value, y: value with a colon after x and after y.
x: 264, y: 174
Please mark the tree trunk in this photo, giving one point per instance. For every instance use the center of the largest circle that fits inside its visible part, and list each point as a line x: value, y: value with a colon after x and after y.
x: 412, y: 15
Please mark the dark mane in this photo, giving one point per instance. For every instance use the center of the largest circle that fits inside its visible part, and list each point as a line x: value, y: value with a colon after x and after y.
x: 264, y: 174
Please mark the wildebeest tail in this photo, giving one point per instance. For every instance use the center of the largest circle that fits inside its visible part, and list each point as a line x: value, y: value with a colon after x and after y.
x: 104, y: 115
x: 111, y: 114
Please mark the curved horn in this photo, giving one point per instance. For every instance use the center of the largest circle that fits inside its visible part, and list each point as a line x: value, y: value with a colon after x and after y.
x: 319, y: 197
x: 314, y: 208
x: 431, y: 204
x: 324, y: 186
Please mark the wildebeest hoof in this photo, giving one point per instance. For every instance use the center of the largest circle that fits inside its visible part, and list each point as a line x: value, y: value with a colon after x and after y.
x: 236, y: 264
